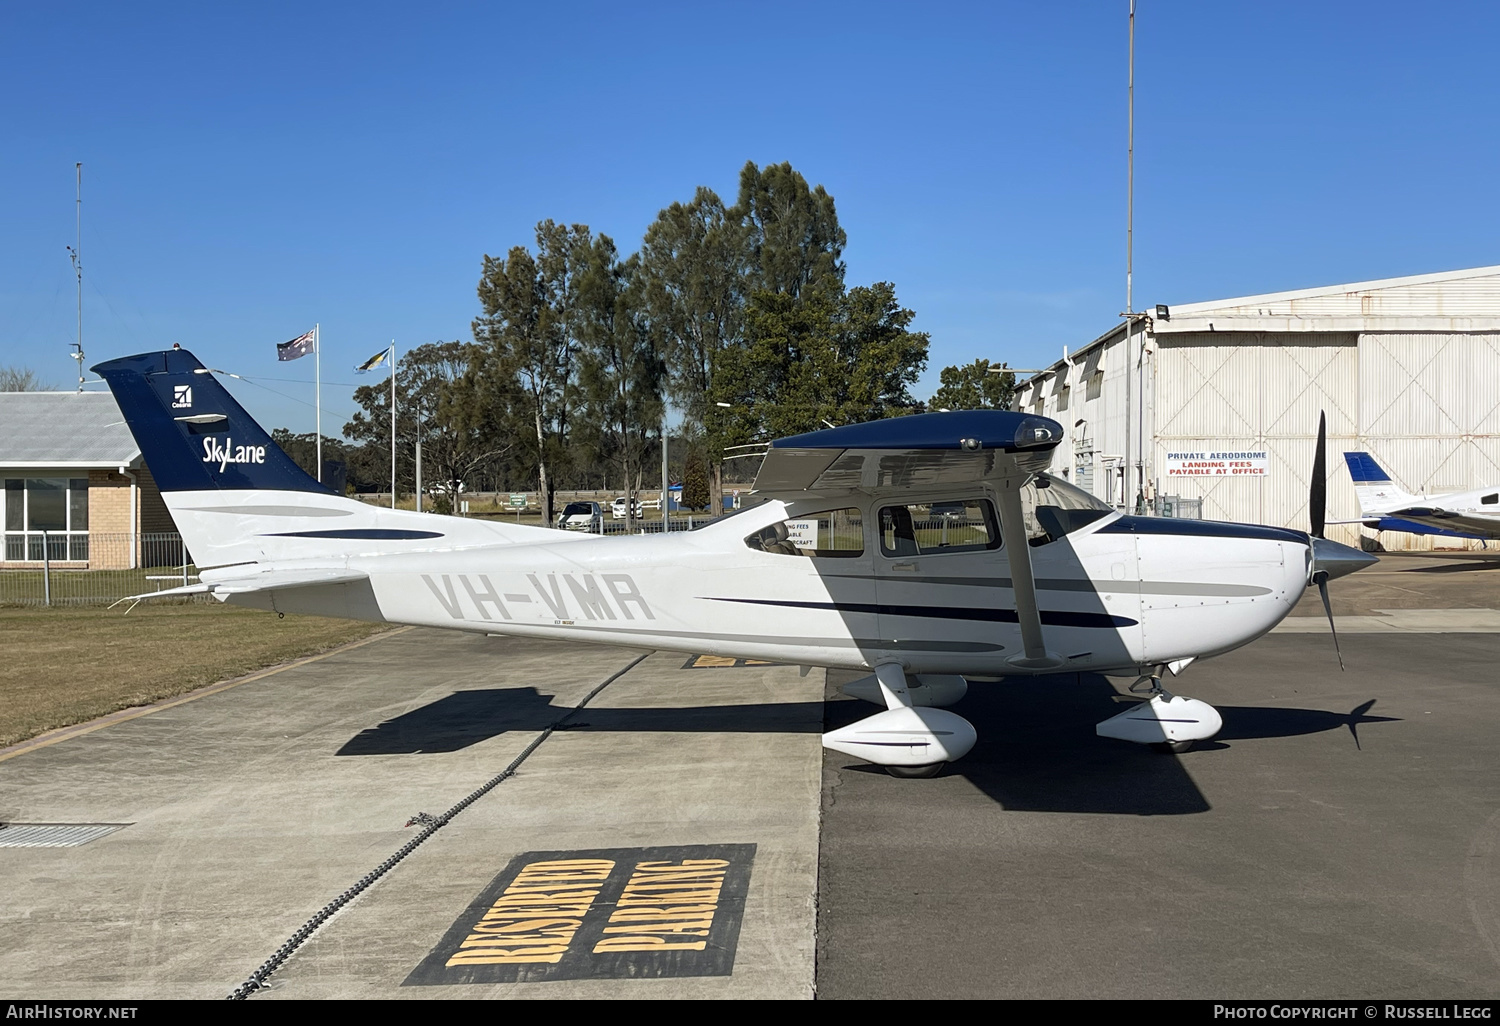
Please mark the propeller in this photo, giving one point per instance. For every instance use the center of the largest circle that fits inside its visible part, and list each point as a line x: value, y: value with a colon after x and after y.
x: 1317, y: 509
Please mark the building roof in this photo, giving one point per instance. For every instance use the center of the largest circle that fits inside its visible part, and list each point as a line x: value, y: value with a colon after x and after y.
x: 64, y: 429
x: 1447, y: 301
x: 1444, y: 301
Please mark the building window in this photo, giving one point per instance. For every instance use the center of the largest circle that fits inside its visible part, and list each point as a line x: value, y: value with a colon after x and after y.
x: 46, y: 517
x: 1062, y: 397
x: 1095, y: 385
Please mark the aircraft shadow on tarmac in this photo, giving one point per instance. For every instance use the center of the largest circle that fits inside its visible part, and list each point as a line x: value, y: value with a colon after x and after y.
x: 1037, y: 749
x: 466, y: 718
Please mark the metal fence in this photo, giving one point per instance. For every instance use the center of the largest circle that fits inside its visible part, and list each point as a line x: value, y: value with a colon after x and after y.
x: 43, y: 568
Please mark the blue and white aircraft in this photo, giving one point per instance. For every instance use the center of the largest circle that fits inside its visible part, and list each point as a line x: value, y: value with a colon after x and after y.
x: 1386, y: 506
x: 925, y: 549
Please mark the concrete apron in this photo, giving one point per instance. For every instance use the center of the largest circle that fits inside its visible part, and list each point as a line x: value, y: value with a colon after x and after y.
x: 252, y: 808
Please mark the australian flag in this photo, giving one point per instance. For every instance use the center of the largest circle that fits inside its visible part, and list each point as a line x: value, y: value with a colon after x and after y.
x: 297, y: 347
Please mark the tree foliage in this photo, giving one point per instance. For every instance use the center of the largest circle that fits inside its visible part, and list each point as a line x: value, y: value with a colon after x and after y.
x: 438, y: 404
x: 739, y: 315
x: 973, y: 387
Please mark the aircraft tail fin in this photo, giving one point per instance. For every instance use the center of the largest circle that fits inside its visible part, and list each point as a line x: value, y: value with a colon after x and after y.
x: 237, y: 497
x: 1374, y: 487
x: 193, y: 434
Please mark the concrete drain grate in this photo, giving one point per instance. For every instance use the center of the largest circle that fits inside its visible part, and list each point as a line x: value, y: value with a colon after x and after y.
x: 53, y: 835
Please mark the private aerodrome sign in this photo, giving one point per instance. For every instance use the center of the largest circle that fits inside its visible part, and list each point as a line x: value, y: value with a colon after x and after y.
x: 1218, y: 463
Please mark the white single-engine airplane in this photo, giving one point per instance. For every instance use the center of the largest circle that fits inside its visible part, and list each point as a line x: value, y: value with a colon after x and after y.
x: 1386, y: 506
x: 923, y: 548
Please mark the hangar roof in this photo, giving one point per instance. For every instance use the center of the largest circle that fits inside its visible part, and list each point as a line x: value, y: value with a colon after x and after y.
x: 1447, y: 301
x: 1444, y: 301
x: 64, y: 429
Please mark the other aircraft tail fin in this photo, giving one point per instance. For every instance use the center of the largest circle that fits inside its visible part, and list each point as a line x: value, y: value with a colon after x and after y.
x: 1377, y: 492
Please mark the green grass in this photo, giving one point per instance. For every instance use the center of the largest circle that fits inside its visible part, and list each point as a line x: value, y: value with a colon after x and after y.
x: 65, y: 666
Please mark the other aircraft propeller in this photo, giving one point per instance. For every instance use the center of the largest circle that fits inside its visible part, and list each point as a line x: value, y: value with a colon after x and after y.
x: 1329, y: 559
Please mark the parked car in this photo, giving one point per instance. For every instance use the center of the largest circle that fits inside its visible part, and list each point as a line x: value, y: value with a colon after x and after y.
x: 618, y: 509
x: 581, y: 516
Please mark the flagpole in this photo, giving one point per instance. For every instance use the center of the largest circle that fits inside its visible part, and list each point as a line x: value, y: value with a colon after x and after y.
x: 318, y: 396
x: 393, y: 423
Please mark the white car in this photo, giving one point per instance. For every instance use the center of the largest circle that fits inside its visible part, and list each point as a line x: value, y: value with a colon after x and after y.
x: 618, y: 509
x: 580, y: 516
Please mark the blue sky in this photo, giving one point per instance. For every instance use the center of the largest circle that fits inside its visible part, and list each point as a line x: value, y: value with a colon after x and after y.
x: 250, y: 170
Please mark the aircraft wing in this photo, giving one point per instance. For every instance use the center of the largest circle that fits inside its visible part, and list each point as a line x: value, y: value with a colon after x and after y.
x: 898, y: 454
x: 1447, y: 521
x: 908, y: 452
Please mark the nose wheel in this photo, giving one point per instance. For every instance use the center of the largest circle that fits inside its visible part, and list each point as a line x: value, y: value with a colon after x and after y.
x: 1166, y: 722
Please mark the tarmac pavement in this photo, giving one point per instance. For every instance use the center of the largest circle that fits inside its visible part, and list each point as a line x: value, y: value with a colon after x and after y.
x: 252, y: 807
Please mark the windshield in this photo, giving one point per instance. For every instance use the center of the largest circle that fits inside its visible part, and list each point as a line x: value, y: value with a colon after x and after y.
x: 577, y: 508
x: 1053, y: 508
x: 1057, y: 492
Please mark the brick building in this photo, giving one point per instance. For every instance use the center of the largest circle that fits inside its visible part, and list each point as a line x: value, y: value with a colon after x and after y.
x: 75, y: 487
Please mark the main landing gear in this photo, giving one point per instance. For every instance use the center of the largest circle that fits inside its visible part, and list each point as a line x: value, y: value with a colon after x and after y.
x: 1167, y: 722
x: 913, y: 737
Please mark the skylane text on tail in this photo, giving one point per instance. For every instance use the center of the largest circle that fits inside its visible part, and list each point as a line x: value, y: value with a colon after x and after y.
x: 925, y: 549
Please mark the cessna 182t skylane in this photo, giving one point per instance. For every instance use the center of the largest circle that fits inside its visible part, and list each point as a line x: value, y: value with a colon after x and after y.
x: 922, y: 548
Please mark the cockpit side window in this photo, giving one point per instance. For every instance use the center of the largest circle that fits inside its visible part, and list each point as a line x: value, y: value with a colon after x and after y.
x: 834, y: 533
x: 928, y: 528
x: 1054, y: 508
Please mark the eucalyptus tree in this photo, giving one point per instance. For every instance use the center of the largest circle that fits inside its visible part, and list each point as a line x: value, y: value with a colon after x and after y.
x: 831, y: 356
x: 693, y: 276
x: 795, y: 237
x: 433, y: 396
x: 522, y: 347
x: 620, y: 370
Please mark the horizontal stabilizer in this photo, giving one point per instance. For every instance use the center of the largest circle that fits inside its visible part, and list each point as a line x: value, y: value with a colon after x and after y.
x: 222, y: 583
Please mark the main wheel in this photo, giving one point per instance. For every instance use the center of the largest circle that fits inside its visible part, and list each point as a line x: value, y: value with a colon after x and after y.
x: 915, y: 772
x: 1172, y: 747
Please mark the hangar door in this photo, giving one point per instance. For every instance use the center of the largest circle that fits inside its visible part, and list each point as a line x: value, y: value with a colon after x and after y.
x: 1258, y: 391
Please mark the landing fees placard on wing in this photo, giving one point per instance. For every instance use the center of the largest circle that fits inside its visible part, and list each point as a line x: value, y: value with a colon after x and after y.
x: 1218, y: 463
x: 607, y: 914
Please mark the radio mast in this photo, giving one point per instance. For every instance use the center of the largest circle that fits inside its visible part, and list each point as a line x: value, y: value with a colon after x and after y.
x: 76, y: 252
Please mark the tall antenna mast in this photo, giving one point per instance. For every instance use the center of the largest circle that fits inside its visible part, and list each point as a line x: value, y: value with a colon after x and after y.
x: 1130, y: 169
x: 77, y: 254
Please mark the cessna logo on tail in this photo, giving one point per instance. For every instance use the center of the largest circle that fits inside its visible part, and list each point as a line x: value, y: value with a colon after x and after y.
x: 226, y: 452
x: 182, y: 397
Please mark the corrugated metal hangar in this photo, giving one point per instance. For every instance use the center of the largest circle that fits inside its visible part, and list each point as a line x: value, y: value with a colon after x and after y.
x: 1211, y: 409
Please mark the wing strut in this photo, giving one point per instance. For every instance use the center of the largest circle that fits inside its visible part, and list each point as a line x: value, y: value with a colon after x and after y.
x: 1013, y: 529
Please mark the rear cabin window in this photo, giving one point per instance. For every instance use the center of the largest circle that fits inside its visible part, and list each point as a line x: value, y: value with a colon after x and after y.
x: 1490, y: 500
x: 925, y: 528
x: 833, y: 533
